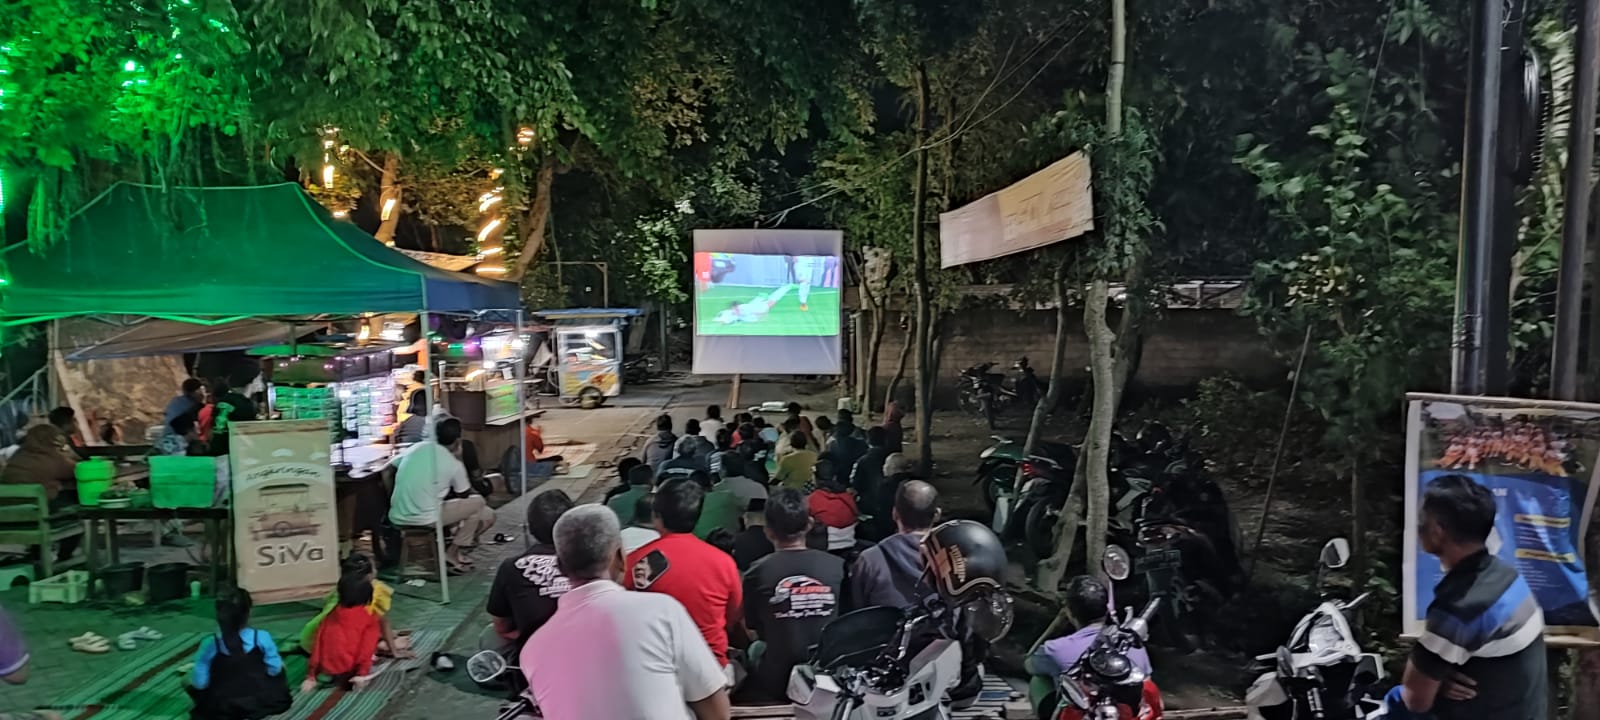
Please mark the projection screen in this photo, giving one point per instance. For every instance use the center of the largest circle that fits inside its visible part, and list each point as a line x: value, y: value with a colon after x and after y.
x: 768, y: 302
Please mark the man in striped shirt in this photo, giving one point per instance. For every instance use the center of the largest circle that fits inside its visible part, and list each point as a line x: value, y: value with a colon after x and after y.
x: 1481, y: 654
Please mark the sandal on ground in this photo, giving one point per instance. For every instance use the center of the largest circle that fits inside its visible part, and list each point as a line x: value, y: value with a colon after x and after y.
x: 126, y: 641
x: 90, y: 643
x: 144, y: 633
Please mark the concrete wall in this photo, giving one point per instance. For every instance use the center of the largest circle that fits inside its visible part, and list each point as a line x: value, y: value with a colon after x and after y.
x: 1181, y: 349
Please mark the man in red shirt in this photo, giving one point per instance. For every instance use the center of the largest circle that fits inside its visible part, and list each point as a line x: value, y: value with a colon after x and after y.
x: 699, y: 576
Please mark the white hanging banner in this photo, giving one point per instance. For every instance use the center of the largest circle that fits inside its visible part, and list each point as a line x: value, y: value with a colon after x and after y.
x: 285, y: 527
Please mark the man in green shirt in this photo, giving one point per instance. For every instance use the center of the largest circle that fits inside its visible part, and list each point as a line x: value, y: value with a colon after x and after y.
x: 640, y: 478
x: 794, y: 468
x: 720, y: 509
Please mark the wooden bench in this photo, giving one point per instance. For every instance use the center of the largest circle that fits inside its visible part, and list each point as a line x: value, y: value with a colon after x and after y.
x: 26, y: 519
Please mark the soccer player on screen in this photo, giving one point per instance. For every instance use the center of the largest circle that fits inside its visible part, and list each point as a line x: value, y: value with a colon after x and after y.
x: 804, y: 267
x: 754, y: 310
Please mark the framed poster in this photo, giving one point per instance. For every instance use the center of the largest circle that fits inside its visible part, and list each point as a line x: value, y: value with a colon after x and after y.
x: 285, y: 528
x: 1541, y: 459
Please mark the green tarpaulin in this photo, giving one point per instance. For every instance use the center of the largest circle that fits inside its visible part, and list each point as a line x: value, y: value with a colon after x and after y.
x: 227, y: 252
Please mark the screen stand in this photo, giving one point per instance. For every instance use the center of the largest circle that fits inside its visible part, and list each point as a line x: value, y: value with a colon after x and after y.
x: 733, y: 395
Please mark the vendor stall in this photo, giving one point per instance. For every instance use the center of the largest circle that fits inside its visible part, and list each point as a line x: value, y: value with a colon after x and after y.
x: 287, y: 260
x: 355, y: 388
x: 588, y: 353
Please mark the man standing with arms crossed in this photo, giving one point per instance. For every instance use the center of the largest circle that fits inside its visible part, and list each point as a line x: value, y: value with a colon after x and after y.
x: 1481, y: 655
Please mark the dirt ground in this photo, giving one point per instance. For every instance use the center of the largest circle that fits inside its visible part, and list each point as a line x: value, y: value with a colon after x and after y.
x: 1311, y: 505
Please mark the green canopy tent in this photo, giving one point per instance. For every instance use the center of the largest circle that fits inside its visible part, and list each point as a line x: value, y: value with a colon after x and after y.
x: 206, y: 254
x: 215, y: 256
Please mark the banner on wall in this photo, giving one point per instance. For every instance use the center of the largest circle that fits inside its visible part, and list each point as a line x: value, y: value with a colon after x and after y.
x: 1046, y: 207
x: 285, y: 528
x: 1542, y: 461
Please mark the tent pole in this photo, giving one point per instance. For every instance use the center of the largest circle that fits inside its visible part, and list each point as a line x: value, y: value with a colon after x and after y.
x: 427, y: 372
x: 522, y: 410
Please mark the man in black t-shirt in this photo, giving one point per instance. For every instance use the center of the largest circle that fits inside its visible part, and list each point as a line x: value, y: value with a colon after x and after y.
x: 789, y: 596
x: 1481, y: 655
x: 526, y: 588
x: 752, y: 544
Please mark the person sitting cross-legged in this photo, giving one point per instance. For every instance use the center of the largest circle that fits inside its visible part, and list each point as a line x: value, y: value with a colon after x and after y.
x: 790, y: 595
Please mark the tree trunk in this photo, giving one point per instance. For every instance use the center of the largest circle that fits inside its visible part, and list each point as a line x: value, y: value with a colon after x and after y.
x: 389, y: 209
x: 535, y: 220
x: 1097, y: 497
x: 1358, y: 530
x: 1130, y: 341
x: 893, y: 388
x: 874, y: 346
x: 1058, y: 364
x: 924, y: 310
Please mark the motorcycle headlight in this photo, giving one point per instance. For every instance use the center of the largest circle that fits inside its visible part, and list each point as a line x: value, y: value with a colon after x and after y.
x: 1072, y: 694
x: 1323, y: 637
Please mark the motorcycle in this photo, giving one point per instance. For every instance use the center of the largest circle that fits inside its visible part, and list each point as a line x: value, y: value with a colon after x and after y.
x: 1104, y: 683
x: 997, y: 474
x: 1321, y: 673
x: 864, y: 668
x: 640, y: 369
x: 987, y: 394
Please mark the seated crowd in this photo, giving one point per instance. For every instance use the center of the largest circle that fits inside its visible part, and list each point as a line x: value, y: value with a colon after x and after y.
x: 733, y: 571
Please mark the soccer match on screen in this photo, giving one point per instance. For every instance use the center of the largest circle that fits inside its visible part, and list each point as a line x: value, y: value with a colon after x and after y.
x: 774, y: 295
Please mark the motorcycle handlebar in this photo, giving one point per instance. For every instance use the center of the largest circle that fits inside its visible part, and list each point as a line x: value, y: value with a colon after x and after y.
x: 1150, y: 609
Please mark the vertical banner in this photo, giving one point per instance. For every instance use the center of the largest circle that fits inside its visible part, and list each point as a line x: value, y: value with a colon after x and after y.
x: 1541, y: 460
x: 285, y: 530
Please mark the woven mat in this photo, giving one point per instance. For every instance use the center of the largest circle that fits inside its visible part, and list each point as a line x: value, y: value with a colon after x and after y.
x: 153, y: 689
x: 991, y: 704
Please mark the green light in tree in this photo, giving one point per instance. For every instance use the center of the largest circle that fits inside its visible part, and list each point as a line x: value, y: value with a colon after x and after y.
x: 130, y: 66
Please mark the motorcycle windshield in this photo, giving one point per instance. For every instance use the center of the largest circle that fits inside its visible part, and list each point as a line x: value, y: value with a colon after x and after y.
x: 858, y: 636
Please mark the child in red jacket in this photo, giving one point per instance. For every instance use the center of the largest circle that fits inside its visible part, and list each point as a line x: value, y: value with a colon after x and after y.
x: 346, y: 638
x: 834, y: 506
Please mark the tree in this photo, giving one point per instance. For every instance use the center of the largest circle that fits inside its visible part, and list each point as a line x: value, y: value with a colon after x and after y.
x: 93, y: 93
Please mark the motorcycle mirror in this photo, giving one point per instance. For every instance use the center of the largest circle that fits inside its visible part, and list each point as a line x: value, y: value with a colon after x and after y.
x: 1117, y: 563
x: 1336, y: 554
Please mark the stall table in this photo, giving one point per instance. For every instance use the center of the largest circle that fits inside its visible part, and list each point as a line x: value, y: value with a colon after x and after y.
x: 218, y: 534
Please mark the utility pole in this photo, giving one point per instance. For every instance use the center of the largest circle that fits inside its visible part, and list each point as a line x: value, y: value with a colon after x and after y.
x: 1575, y: 225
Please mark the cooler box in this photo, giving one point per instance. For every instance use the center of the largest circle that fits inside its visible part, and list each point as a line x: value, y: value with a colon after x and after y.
x: 182, y: 482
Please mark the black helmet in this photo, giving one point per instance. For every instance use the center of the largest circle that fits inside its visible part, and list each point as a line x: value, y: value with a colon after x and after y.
x: 964, y: 560
x: 1154, y: 437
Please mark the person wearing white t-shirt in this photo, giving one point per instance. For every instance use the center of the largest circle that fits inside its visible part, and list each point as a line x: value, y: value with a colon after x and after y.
x: 710, y: 426
x: 614, y: 654
x: 431, y: 486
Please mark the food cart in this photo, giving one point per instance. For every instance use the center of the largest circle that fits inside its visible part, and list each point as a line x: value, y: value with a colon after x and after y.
x: 588, y: 352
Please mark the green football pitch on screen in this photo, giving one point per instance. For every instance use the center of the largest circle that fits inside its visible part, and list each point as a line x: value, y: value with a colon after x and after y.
x: 782, y: 316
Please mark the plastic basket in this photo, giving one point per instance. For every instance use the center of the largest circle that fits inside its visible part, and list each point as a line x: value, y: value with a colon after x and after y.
x: 70, y: 587
x: 182, y: 482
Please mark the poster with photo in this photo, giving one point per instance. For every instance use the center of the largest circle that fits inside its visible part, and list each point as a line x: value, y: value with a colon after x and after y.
x: 1541, y: 461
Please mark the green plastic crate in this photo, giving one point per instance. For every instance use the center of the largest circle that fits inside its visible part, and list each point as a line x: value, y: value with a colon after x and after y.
x: 179, y: 482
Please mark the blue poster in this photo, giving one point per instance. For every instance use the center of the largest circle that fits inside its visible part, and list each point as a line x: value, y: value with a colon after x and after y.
x: 1539, y: 459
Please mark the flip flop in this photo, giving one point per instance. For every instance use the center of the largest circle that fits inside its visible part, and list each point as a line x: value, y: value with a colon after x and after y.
x: 125, y: 641
x: 144, y: 633
x: 90, y: 643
